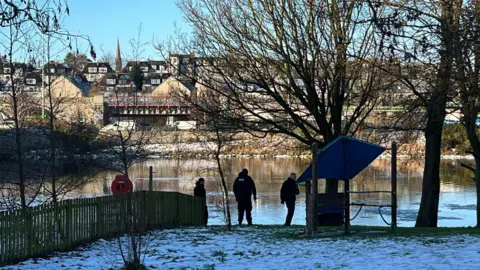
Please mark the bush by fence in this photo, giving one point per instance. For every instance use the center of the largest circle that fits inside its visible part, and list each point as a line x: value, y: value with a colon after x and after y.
x: 36, y: 231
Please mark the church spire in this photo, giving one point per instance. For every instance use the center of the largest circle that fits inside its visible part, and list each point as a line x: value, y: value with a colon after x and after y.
x: 118, y: 59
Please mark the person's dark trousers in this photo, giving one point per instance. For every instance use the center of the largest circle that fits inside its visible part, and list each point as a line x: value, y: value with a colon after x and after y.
x: 291, y: 211
x: 245, y: 206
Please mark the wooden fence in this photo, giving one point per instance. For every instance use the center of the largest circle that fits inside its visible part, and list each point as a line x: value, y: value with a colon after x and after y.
x: 37, y: 231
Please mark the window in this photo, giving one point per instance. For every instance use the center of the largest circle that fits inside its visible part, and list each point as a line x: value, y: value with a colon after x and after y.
x: 154, y: 67
x: 111, y: 88
x: 31, y: 81
x: 122, y: 81
x: 110, y: 81
x: 174, y: 60
x: 102, y: 70
x: 144, y: 69
x: 92, y: 77
x: 52, y: 70
x: 7, y: 70
x: 155, y: 81
x: 92, y: 70
x: 129, y: 68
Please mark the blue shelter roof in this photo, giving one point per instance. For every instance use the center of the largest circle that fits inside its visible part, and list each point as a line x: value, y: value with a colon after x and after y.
x: 343, y: 158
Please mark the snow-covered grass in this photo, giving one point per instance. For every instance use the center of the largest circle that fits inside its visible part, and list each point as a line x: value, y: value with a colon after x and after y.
x: 273, y: 247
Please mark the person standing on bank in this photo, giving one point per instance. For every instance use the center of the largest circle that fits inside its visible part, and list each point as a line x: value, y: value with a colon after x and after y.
x: 288, y: 195
x: 243, y: 188
x: 199, y: 191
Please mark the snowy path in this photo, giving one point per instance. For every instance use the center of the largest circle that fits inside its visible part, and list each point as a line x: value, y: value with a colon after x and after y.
x: 260, y: 248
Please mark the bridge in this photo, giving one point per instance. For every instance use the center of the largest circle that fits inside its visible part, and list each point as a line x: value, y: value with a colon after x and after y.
x: 146, y: 104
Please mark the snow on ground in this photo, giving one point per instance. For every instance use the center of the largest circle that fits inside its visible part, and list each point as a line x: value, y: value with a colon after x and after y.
x: 268, y: 248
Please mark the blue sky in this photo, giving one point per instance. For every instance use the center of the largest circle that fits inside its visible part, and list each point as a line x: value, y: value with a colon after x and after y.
x: 105, y: 20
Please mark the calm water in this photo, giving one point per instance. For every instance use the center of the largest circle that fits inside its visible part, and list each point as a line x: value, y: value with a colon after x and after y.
x: 457, y: 199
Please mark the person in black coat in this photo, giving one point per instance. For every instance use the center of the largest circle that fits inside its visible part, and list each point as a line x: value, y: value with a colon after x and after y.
x: 288, y: 195
x: 199, y: 191
x: 243, y: 188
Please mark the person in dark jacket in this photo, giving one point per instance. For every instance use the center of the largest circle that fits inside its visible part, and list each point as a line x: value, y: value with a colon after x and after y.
x: 288, y: 195
x: 199, y: 191
x: 243, y: 188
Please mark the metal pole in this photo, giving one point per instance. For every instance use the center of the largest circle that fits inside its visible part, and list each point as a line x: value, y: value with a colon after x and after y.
x: 43, y: 76
x: 394, y: 186
x: 314, y: 198
x: 150, y: 179
x: 308, y: 202
x: 346, y: 191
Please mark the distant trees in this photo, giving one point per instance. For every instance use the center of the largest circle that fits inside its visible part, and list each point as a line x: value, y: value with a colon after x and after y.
x: 75, y: 62
x: 136, y: 75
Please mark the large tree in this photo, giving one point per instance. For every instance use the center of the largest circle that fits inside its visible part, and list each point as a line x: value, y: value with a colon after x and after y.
x: 467, y: 79
x: 289, y: 67
x: 421, y: 34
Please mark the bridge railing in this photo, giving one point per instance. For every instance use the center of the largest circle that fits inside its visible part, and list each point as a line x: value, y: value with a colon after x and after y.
x: 143, y: 100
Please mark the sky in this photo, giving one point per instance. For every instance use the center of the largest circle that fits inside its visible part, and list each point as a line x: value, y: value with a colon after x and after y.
x: 106, y: 20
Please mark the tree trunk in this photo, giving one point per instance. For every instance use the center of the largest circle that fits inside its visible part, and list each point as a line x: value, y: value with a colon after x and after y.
x: 222, y: 177
x: 331, y: 186
x: 428, y: 213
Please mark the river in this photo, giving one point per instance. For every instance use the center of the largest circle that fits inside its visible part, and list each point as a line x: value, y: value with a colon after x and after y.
x: 457, y: 198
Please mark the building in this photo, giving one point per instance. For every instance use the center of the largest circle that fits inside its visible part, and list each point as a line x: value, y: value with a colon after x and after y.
x: 94, y: 72
x: 182, y: 65
x: 6, y: 73
x: 158, y: 66
x: 53, y: 70
x: 173, y: 87
x: 33, y: 82
x: 71, y: 94
x: 144, y: 66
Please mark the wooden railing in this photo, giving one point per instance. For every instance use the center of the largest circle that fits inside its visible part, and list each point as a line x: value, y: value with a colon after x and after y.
x: 32, y: 232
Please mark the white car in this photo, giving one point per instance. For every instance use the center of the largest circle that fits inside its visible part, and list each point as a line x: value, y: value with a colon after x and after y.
x: 120, y: 126
x: 185, y: 125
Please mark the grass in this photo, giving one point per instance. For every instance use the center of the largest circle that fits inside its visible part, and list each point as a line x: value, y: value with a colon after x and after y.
x: 375, y: 232
x: 295, y: 232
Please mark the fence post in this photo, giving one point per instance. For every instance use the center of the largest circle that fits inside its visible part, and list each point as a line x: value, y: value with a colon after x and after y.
x: 150, y: 179
x: 394, y: 187
x: 68, y: 229
x: 99, y: 217
x: 314, y: 197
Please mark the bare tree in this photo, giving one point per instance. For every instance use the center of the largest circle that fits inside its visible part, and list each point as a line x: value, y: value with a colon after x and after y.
x: 17, y: 100
x: 307, y: 69
x: 55, y: 102
x: 107, y: 57
x: 137, y: 45
x: 125, y: 144
x: 217, y: 142
x: 421, y: 34
x: 467, y: 78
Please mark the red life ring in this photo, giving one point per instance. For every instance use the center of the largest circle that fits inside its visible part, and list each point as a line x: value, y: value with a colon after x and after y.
x: 121, y: 185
